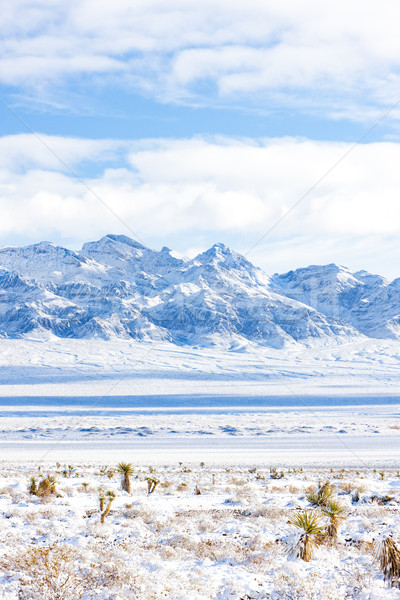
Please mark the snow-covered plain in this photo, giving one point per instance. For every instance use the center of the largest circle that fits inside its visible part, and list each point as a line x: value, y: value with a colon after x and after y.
x: 162, y: 403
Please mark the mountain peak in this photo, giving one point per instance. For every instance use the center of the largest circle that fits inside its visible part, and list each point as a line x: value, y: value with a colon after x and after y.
x: 124, y: 239
x: 219, y: 252
x: 221, y: 247
x: 111, y: 248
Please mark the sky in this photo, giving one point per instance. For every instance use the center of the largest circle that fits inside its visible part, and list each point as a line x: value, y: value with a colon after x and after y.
x: 273, y: 127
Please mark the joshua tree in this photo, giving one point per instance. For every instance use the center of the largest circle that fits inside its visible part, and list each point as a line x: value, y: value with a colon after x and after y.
x: 102, y: 499
x: 110, y: 497
x: 322, y: 496
x: 312, y: 530
x: 126, y: 471
x: 388, y: 555
x: 335, y: 513
x: 151, y: 484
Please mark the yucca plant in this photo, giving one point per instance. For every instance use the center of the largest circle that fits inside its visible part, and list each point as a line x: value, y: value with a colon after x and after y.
x: 152, y: 483
x: 310, y: 537
x: 126, y: 471
x: 52, y: 482
x: 322, y: 496
x: 275, y: 474
x: 335, y: 513
x: 388, y: 555
x: 32, y: 489
x: 110, y: 496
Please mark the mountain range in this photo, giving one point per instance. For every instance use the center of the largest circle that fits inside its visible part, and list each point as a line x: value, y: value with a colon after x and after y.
x: 119, y: 288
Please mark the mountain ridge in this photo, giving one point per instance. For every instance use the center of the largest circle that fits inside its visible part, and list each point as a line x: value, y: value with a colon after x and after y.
x: 116, y: 287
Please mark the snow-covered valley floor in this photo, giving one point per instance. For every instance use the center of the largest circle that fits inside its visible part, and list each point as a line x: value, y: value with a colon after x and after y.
x: 67, y: 399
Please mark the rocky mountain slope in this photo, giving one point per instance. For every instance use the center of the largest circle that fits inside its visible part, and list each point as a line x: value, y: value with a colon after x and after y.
x: 116, y: 287
x: 367, y: 302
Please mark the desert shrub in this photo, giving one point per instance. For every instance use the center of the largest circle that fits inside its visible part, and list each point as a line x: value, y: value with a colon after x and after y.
x: 86, y: 488
x: 46, y: 487
x: 346, y: 487
x: 47, y: 573
x: 313, y: 587
x: 359, y: 578
x: 110, y: 570
x: 382, y: 500
x: 166, y: 484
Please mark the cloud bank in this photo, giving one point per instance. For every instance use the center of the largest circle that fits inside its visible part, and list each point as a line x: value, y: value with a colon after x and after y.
x: 193, y: 192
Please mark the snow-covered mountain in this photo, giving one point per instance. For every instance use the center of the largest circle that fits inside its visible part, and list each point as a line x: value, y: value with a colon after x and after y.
x: 369, y: 303
x: 116, y: 287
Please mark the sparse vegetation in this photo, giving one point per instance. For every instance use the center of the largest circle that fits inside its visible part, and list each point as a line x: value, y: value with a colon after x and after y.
x: 275, y: 474
x: 243, y: 526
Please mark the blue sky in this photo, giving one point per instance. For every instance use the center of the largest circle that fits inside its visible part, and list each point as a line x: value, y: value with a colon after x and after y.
x: 204, y: 122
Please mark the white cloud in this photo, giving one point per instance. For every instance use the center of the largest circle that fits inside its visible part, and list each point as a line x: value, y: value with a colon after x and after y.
x: 192, y: 192
x: 38, y: 151
x: 330, y: 55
